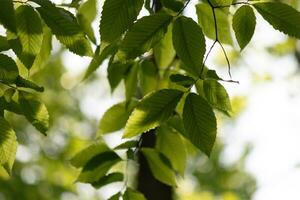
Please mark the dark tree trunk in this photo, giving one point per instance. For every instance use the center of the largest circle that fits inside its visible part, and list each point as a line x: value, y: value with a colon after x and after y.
x: 147, y: 184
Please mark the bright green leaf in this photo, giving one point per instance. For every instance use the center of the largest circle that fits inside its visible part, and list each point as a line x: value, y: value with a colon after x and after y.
x: 206, y: 21
x: 35, y: 111
x: 243, y: 24
x: 170, y: 144
x: 131, y: 194
x: 189, y: 43
x: 281, y: 16
x: 8, y: 145
x: 131, y: 79
x: 159, y: 169
x: 117, y: 17
x: 199, y: 123
x: 144, y: 34
x: 153, y: 110
x: 30, y: 32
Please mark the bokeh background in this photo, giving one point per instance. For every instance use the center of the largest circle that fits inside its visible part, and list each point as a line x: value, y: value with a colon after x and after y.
x: 257, y: 154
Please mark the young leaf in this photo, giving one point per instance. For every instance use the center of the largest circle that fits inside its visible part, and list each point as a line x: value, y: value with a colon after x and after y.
x: 170, y: 144
x: 144, y: 34
x: 99, y: 57
x: 189, y: 43
x: 148, y: 77
x: 159, y: 169
x: 114, y: 119
x: 281, y: 16
x: 117, y: 17
x: 216, y: 95
x: 131, y: 194
x: 8, y: 145
x: 131, y: 81
x: 110, y: 178
x: 153, y: 110
x: 8, y: 69
x: 243, y: 24
x: 7, y: 15
x: 65, y: 27
x: 163, y: 51
x: 4, y: 45
x: 199, y: 123
x: 86, y: 14
x: 35, y: 111
x: 30, y: 32
x: 206, y: 21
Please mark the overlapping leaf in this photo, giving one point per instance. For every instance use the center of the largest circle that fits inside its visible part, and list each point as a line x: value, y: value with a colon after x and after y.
x: 7, y: 15
x: 8, y: 69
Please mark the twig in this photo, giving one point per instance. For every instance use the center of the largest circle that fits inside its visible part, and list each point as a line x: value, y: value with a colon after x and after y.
x: 182, y: 9
x: 227, y: 59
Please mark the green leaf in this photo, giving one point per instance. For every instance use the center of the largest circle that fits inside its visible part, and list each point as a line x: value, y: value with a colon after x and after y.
x: 163, y: 51
x: 144, y: 34
x: 131, y: 79
x: 243, y: 23
x: 30, y: 32
x: 110, y: 178
x: 189, y: 43
x: 199, y: 123
x: 99, y: 57
x: 22, y: 82
x: 131, y: 194
x: 4, y: 45
x: 216, y: 95
x: 8, y: 145
x: 206, y: 21
x: 148, y: 77
x: 281, y: 16
x: 81, y: 158
x: 170, y: 144
x: 153, y: 110
x: 86, y: 15
x: 127, y: 145
x: 35, y: 111
x: 8, y: 69
x: 11, y: 106
x: 7, y: 15
x: 116, y: 72
x: 117, y: 17
x: 98, y: 166
x: 65, y: 27
x: 174, y: 5
x: 221, y: 2
x: 116, y: 196
x: 114, y: 118
x: 185, y: 81
x: 159, y: 169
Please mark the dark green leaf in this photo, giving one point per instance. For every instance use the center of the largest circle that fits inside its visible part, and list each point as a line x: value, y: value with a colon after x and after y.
x: 206, y: 21
x: 174, y: 5
x: 65, y: 27
x: 7, y: 15
x: 22, y: 82
x: 144, y: 34
x: 35, y: 111
x: 116, y: 196
x: 8, y: 69
x: 199, y: 123
x: 189, y: 43
x: 149, y: 77
x: 4, y: 45
x: 281, y: 16
x: 110, y: 178
x: 30, y: 32
x: 117, y: 17
x: 153, y: 110
x: 131, y: 79
x: 116, y: 72
x: 159, y: 169
x: 185, y: 81
x: 127, y: 145
x: 243, y: 24
x: 8, y: 145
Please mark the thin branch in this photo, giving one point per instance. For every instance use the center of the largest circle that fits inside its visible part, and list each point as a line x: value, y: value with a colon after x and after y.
x: 206, y: 57
x: 227, y: 59
x: 182, y: 9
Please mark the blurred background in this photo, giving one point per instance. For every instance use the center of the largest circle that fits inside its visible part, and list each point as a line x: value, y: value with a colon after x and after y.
x: 257, y: 153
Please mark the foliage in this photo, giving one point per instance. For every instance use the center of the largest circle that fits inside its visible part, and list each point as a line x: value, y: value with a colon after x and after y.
x: 161, y: 59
